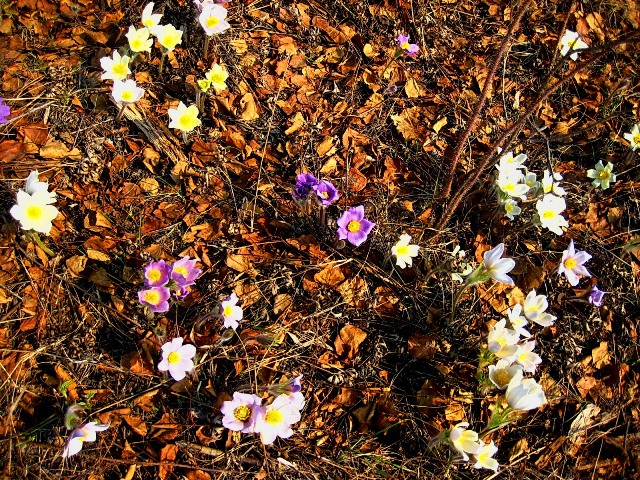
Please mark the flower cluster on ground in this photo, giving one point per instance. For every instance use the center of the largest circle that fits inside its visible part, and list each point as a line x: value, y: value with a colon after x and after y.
x: 165, y: 282
x: 33, y: 208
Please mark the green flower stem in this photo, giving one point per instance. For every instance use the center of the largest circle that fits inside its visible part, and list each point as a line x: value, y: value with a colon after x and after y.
x: 456, y: 299
x: 498, y: 420
x: 36, y: 238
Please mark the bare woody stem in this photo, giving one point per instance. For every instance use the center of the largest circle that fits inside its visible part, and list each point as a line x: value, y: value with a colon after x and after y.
x: 507, y: 137
x: 446, y: 191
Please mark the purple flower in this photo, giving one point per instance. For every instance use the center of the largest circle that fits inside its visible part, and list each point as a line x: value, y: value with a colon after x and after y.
x: 353, y: 227
x: 5, y: 111
x: 156, y: 298
x: 596, y: 296
x: 326, y: 192
x: 181, y: 293
x: 410, y: 49
x: 304, y: 184
x: 184, y: 272
x: 240, y: 413
x: 82, y: 433
x: 156, y: 274
x: 572, y: 264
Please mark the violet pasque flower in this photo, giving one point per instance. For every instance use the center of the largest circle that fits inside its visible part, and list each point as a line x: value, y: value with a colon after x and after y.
x: 572, y: 264
x: 292, y: 389
x: 5, y: 111
x: 156, y: 298
x: 81, y: 434
x: 353, y: 227
x: 326, y: 192
x: 596, y: 296
x: 410, y: 49
x: 275, y: 420
x: 240, y: 413
x: 177, y: 358
x: 304, y: 184
x: 156, y: 274
x: 184, y: 272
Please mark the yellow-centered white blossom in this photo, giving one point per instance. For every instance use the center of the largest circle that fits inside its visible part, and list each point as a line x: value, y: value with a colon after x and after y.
x: 116, y: 68
x: 570, y: 42
x: 602, y: 175
x: 34, y: 212
x: 633, y: 137
x: 549, y: 209
x: 150, y: 19
x: 126, y: 92
x: 184, y: 118
x: 404, y: 252
x: 168, y: 36
x: 139, y: 40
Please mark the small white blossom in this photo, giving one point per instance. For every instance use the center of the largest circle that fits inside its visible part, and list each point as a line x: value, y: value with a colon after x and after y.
x: 502, y: 372
x: 549, y: 209
x: 550, y: 184
x: 498, y: 267
x: 150, y: 19
x: 527, y: 357
x: 511, y: 208
x: 502, y: 341
x: 168, y: 36
x: 517, y: 321
x: 603, y: 175
x: 511, y: 183
x: 139, y: 40
x: 116, y: 68
x: 464, y: 441
x: 572, y: 264
x: 126, y: 92
x: 524, y: 394
x: 534, y: 309
x: 633, y: 137
x: 213, y: 20
x: 509, y: 163
x: 404, y: 252
x: 483, y: 457
x: 571, y: 42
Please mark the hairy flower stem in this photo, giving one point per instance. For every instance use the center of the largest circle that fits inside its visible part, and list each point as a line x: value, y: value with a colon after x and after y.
x: 121, y: 110
x: 322, y: 215
x: 36, y: 238
x: 506, y: 42
x: 456, y: 299
x: 205, y: 49
x: 510, y: 135
x: 396, y: 55
x: 199, y: 102
x: 185, y: 137
x: 161, y: 66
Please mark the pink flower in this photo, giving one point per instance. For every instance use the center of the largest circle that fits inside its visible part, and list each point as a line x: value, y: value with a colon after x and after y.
x: 410, y: 49
x: 275, y: 420
x: 572, y: 264
x: 156, y: 298
x: 353, y: 227
x: 177, y: 358
x: 184, y: 272
x: 240, y: 413
x: 596, y: 296
x: 326, y: 192
x: 82, y: 433
x: 156, y: 274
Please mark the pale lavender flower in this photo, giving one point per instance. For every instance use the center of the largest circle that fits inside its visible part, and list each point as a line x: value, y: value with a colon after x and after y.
x: 275, y: 420
x: 231, y: 312
x: 304, y: 184
x: 353, y: 227
x: 156, y: 274
x: 156, y: 298
x: 572, y: 264
x: 292, y: 389
x: 240, y: 413
x: 5, y: 111
x: 177, y: 358
x: 596, y: 296
x: 326, y: 192
x: 82, y: 433
x: 184, y: 271
x: 410, y: 49
x: 497, y: 267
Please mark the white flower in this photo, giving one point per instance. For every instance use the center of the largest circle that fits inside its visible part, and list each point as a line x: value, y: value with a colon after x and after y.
x: 465, y: 441
x: 549, y: 209
x: 502, y: 341
x: 116, y: 68
x: 572, y: 264
x: 502, y: 372
x: 511, y: 208
x: 550, y: 184
x: 34, y: 212
x: 534, y: 308
x: 150, y: 19
x: 497, y: 267
x: 483, y: 457
x: 603, y: 176
x: 275, y: 420
x: 126, y: 92
x: 570, y: 42
x: 517, y: 321
x: 177, y: 358
x: 231, y: 312
x: 33, y: 185
x: 404, y: 252
x: 633, y: 137
x: 81, y: 434
x: 527, y: 358
x: 139, y: 40
x: 217, y: 77
x: 524, y: 394
x: 510, y: 183
x: 184, y: 118
x: 168, y: 36
x: 530, y: 180
x: 459, y: 276
x: 509, y: 163
x: 213, y: 20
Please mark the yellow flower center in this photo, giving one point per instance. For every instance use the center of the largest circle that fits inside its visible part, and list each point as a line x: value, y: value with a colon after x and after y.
x: 572, y: 43
x: 403, y: 249
x: 154, y: 275
x: 603, y: 175
x: 228, y: 310
x: 353, y: 226
x: 273, y: 417
x: 218, y: 77
x: 152, y: 297
x: 127, y: 96
x: 509, y: 208
x: 186, y: 122
x: 173, y: 358
x: 242, y: 413
x: 501, y: 341
x: 570, y: 263
x: 501, y: 377
x: 182, y: 271
x: 549, y: 214
x: 212, y: 22
x: 405, y: 46
x: 509, y: 187
x: 136, y: 45
x: 636, y: 138
x: 148, y: 22
x: 119, y: 69
x: 33, y: 212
